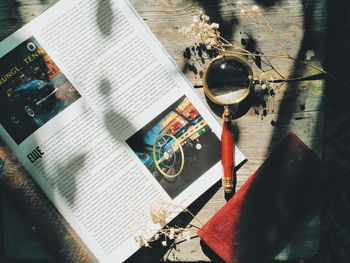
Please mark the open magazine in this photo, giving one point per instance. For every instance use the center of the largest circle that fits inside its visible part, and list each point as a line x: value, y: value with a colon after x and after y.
x: 104, y: 121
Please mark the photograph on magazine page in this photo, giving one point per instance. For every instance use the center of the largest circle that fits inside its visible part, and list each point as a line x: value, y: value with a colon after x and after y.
x: 32, y: 90
x: 177, y: 146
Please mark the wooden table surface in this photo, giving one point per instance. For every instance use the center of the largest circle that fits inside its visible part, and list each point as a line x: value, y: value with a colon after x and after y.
x: 298, y: 107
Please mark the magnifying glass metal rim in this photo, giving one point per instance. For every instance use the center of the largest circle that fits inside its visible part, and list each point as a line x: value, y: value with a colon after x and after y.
x: 250, y: 77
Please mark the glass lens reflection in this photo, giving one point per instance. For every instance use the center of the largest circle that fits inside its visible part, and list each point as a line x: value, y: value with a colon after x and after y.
x: 228, y: 80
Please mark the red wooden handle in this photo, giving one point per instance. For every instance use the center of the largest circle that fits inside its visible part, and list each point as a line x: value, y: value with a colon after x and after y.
x: 227, y: 156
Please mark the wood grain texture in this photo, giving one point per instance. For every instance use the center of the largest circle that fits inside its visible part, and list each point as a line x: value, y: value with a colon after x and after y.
x: 300, y: 26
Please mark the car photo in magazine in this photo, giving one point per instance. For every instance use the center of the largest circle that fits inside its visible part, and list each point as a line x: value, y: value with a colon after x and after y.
x: 33, y: 90
x: 177, y: 146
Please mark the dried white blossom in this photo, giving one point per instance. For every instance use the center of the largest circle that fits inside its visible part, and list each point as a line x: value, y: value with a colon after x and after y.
x: 186, y: 235
x: 202, y: 31
x: 214, y: 25
x: 172, y: 233
x: 255, y: 8
x: 159, y: 212
x: 138, y: 240
x: 142, y: 241
x: 310, y: 54
x: 252, y: 13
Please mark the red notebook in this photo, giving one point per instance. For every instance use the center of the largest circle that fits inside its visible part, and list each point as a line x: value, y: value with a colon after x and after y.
x: 257, y: 221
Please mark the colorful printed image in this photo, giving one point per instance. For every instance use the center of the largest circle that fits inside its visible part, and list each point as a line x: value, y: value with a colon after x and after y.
x: 32, y: 90
x: 177, y: 147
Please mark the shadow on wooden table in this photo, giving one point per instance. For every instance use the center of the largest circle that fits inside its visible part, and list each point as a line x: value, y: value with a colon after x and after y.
x: 331, y: 40
x: 334, y: 49
x: 296, y: 93
x: 333, y: 52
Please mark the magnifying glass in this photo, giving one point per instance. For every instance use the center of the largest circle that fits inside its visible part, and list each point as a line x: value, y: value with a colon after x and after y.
x: 228, y: 81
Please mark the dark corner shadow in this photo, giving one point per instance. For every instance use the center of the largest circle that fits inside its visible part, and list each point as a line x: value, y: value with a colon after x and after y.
x: 20, y: 214
x: 10, y: 17
x: 335, y: 213
x: 337, y: 124
x: 105, y: 17
x: 157, y: 252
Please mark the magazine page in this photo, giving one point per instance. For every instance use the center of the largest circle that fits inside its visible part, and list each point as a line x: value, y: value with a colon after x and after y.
x: 104, y: 121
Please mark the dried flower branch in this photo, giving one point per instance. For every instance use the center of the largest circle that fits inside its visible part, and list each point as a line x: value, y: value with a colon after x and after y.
x: 161, y: 212
x: 202, y: 31
x: 207, y: 38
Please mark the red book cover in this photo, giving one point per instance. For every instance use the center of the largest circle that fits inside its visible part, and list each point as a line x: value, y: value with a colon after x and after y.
x: 257, y: 221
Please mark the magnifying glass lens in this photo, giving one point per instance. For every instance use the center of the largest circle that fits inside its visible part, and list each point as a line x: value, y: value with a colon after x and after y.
x: 228, y: 80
